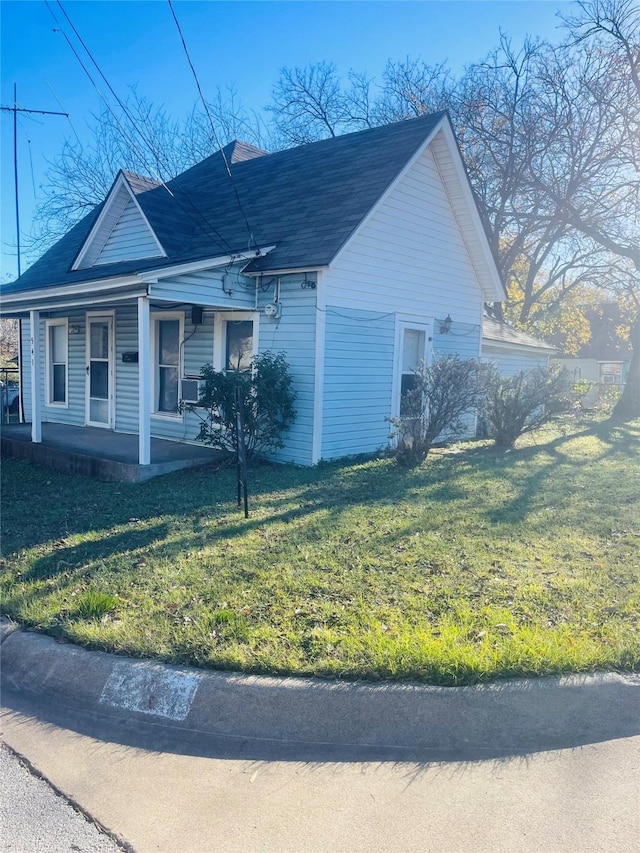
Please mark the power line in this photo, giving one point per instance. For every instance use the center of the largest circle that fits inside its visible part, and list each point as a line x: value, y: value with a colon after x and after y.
x: 15, y: 109
x: 213, y: 128
x: 213, y: 232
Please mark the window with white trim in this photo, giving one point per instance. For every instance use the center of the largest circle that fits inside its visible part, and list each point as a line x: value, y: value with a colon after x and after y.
x: 238, y: 345
x: 57, y: 361
x: 235, y: 340
x: 167, y: 351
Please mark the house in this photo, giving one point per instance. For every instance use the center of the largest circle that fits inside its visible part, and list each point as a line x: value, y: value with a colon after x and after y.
x: 357, y: 256
x: 511, y: 350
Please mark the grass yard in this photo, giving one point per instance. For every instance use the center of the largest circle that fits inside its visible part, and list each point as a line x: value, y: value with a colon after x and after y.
x: 476, y: 565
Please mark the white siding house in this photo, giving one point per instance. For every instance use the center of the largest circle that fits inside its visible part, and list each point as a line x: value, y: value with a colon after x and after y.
x: 366, y: 244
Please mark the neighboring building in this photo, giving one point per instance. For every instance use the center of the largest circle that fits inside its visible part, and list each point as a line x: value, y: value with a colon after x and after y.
x: 348, y: 254
x: 512, y: 350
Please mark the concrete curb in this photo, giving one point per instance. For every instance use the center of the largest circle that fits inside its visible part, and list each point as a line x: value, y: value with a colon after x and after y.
x: 511, y: 716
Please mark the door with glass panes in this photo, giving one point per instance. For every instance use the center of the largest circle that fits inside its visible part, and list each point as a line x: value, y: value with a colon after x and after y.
x: 99, y: 369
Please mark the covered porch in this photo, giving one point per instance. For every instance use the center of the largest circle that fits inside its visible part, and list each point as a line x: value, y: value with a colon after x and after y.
x: 103, y: 454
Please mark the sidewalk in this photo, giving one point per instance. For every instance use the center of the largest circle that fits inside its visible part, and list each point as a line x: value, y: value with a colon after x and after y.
x: 170, y: 759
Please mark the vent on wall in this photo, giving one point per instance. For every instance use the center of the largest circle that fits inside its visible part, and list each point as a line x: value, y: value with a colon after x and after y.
x: 190, y: 390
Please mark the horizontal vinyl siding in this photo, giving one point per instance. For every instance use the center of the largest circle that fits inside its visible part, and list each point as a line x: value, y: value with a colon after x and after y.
x: 294, y: 334
x: 509, y: 363
x: 410, y: 260
x: 129, y: 239
x: 358, y: 382
x: 463, y: 340
x: 410, y: 256
x: 197, y: 351
x: 73, y: 412
x: 205, y: 288
x: 126, y: 374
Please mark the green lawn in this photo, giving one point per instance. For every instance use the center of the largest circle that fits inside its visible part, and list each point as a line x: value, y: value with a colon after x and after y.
x: 476, y: 565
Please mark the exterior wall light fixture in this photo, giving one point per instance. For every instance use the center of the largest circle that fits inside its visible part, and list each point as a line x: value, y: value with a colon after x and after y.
x: 445, y: 325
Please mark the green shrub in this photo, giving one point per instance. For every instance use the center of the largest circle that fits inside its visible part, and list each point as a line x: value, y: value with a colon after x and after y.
x: 267, y: 399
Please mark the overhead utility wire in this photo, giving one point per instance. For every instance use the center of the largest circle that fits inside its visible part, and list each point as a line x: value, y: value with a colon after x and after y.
x: 213, y: 128
x: 208, y: 225
x: 212, y: 230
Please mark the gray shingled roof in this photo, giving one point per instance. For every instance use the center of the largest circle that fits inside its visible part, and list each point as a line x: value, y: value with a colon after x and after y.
x: 306, y: 201
x: 493, y: 331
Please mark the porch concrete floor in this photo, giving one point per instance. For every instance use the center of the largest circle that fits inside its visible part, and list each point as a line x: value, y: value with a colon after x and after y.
x: 69, y: 445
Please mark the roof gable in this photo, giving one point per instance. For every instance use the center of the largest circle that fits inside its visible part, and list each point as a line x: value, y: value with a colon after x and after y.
x: 121, y: 231
x: 307, y: 202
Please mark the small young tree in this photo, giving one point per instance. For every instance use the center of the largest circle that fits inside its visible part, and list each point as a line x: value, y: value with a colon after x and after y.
x: 521, y: 403
x: 442, y: 394
x: 266, y: 397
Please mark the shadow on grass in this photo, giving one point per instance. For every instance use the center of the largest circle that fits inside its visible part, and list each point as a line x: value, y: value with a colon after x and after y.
x: 41, y: 507
x: 78, y: 558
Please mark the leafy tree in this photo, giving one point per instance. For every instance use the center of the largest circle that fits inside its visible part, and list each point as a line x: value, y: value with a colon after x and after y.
x: 267, y: 405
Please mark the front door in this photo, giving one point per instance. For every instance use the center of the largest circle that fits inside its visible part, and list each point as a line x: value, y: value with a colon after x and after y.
x: 100, y: 373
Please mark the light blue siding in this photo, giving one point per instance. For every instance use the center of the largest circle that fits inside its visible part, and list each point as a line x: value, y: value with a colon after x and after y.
x: 130, y: 239
x: 206, y: 288
x: 463, y: 340
x: 198, y: 350
x: 358, y: 382
x: 73, y: 412
x: 295, y: 335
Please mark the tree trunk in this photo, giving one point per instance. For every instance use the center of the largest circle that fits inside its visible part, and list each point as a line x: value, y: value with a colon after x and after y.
x: 628, y: 406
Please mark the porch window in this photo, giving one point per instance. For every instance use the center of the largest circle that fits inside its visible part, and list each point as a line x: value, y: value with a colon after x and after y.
x: 168, y: 337
x: 413, y: 346
x: 57, y: 358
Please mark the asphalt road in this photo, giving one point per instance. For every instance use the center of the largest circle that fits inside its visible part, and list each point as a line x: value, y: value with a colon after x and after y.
x: 35, y: 819
x: 162, y: 790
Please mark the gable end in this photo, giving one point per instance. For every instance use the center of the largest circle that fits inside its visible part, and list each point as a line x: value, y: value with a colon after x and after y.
x: 121, y: 232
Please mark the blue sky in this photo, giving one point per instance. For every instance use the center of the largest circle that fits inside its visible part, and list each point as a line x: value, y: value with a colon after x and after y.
x: 232, y: 43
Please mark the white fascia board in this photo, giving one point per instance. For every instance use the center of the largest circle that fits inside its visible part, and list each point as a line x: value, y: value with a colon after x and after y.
x: 86, y: 288
x: 154, y: 276
x: 408, y: 165
x: 54, y: 304
x: 498, y: 294
x: 119, y: 183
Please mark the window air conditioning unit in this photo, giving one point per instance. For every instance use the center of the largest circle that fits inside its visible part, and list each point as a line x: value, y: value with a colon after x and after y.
x: 190, y: 389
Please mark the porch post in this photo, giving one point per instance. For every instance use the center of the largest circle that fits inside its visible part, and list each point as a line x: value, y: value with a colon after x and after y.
x: 36, y: 375
x: 144, y: 382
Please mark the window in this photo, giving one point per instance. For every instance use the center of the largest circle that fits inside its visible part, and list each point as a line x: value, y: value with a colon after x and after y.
x: 168, y: 333
x: 239, y: 345
x: 611, y: 373
x: 235, y: 340
x: 413, y: 344
x: 57, y: 356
